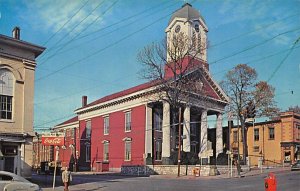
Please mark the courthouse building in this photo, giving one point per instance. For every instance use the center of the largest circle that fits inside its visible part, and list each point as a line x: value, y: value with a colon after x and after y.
x: 126, y: 128
x: 17, y: 67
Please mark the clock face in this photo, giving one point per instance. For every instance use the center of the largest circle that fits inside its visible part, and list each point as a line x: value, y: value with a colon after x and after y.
x: 177, y: 28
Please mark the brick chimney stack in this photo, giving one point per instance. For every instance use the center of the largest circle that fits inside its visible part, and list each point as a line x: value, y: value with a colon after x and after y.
x: 16, y: 33
x: 84, y: 101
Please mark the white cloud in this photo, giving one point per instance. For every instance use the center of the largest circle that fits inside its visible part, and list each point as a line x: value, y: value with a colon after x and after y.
x: 257, y: 14
x: 52, y: 15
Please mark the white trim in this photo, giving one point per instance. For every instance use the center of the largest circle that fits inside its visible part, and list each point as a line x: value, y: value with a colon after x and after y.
x: 105, y: 141
x: 129, y: 139
x: 116, y: 99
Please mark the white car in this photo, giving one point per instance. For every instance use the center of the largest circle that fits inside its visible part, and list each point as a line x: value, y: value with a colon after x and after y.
x: 10, y: 182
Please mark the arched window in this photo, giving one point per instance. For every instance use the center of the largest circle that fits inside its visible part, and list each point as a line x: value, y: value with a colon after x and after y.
x: 6, y: 93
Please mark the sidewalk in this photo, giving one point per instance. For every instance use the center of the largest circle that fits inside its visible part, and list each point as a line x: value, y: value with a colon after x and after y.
x: 252, y: 172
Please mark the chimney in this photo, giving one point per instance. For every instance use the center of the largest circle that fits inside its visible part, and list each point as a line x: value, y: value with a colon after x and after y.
x: 84, y: 101
x: 16, y: 33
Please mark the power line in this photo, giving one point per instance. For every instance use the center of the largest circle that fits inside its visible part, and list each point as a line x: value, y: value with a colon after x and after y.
x: 254, y: 46
x: 105, y: 34
x: 78, y: 34
x: 121, y: 21
x: 249, y: 32
x: 260, y: 59
x: 283, y: 60
x: 106, y: 47
x: 75, y: 26
x: 66, y: 22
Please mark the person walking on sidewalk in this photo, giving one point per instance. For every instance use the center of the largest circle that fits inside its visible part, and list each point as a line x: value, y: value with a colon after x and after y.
x: 66, y: 178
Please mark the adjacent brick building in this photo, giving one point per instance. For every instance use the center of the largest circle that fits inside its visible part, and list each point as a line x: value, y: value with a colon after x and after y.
x: 277, y: 141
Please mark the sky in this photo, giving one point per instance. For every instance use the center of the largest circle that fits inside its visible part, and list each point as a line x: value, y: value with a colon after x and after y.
x: 92, y: 45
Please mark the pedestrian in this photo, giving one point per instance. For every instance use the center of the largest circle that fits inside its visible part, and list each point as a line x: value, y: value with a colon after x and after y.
x: 66, y: 178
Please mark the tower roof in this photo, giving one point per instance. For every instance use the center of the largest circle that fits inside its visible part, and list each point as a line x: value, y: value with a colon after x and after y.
x: 186, y: 11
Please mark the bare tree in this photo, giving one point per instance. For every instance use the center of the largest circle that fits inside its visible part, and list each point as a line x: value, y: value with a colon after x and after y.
x: 295, y: 109
x: 173, y: 66
x: 242, y: 87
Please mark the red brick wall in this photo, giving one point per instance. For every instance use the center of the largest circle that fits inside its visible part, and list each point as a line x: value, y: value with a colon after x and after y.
x: 116, y: 135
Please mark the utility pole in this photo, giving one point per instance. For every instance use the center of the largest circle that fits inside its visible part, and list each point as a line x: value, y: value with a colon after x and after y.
x: 238, y: 158
x: 179, y: 142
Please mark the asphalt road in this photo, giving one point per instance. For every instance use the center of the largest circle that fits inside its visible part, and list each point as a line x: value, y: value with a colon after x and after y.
x: 286, y: 181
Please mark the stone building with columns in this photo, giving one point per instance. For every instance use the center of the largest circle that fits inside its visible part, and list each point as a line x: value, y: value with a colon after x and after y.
x: 129, y: 128
x: 17, y: 68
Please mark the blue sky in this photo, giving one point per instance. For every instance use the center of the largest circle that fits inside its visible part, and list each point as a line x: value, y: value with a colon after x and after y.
x: 92, y: 45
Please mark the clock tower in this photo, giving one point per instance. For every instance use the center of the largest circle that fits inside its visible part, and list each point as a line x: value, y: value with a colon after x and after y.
x: 188, y: 23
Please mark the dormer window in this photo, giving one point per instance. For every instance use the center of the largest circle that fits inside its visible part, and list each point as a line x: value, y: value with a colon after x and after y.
x: 197, y: 27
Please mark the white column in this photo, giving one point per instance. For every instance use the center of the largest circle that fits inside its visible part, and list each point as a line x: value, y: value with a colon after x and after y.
x: 166, y: 141
x: 203, y: 133
x: 219, y: 134
x: 187, y: 130
x: 148, y: 134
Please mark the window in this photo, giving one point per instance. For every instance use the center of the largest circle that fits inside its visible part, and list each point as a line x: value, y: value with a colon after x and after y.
x: 106, y: 151
x: 6, y: 107
x: 127, y: 150
x: 197, y: 27
x: 256, y: 134
x: 72, y: 133
x: 256, y: 149
x: 87, y: 152
x: 6, y: 94
x: 158, y: 149
x: 158, y: 120
x: 193, y: 128
x: 128, y: 121
x: 194, y: 146
x: 235, y: 136
x: 88, y: 129
x: 106, y: 125
x: 271, y: 133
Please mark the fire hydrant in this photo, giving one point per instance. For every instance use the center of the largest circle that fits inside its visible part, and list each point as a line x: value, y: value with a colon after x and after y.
x: 270, y: 182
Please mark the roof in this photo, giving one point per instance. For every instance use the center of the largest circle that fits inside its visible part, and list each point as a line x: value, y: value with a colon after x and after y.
x: 72, y: 120
x: 211, y: 88
x: 121, y: 93
x: 37, y: 50
x: 186, y: 11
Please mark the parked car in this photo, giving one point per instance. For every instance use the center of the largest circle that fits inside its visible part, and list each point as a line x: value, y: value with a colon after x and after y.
x: 10, y: 182
x: 296, y: 165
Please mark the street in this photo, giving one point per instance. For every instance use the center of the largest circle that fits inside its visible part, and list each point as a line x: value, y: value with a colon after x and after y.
x: 286, y: 181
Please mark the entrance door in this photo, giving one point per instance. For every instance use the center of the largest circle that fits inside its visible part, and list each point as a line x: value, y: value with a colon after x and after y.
x: 9, y: 164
